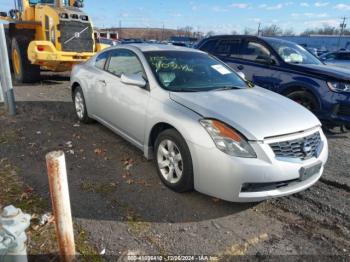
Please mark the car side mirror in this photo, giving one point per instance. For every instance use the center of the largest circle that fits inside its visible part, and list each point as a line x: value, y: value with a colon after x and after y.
x: 135, y: 80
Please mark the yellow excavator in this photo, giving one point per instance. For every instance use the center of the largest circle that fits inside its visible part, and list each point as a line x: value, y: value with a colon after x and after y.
x: 47, y: 35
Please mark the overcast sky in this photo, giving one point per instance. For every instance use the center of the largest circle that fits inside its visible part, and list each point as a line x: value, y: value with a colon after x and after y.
x: 222, y: 16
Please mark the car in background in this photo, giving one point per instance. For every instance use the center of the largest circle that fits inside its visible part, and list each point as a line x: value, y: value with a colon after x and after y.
x: 132, y: 41
x: 288, y: 69
x: 105, y: 42
x: 339, y: 58
x: 312, y: 50
x: 205, y: 126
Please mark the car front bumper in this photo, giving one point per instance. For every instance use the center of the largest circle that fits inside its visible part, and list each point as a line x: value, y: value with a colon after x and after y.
x: 220, y: 175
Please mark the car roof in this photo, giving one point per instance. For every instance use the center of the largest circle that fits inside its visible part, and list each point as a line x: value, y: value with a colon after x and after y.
x: 146, y: 47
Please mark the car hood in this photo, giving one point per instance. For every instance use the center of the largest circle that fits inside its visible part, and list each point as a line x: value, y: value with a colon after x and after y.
x: 345, y: 64
x: 325, y: 71
x: 255, y: 112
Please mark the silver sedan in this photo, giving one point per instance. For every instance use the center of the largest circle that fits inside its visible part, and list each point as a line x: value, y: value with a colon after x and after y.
x: 205, y: 126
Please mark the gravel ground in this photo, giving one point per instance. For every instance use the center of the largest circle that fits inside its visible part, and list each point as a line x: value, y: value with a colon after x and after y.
x: 117, y: 197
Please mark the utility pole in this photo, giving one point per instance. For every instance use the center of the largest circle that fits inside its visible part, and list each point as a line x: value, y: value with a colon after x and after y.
x: 120, y: 29
x: 259, y: 27
x: 342, y: 28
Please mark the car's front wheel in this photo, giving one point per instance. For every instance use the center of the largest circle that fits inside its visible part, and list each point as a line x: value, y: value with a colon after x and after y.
x: 80, y: 105
x: 305, y: 99
x: 173, y: 161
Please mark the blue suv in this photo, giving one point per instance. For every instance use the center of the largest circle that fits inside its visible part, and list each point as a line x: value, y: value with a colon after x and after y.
x: 288, y: 69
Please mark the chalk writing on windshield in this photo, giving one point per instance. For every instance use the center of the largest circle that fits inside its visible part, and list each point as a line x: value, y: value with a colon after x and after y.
x: 161, y: 62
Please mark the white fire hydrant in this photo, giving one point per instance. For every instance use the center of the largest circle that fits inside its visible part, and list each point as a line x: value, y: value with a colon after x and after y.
x: 13, y: 223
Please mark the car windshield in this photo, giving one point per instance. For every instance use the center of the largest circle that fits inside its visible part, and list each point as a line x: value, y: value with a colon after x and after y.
x: 192, y: 71
x: 293, y: 53
x: 34, y: 2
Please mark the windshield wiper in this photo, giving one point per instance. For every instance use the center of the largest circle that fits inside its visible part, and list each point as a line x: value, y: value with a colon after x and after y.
x: 224, y: 88
x: 186, y: 90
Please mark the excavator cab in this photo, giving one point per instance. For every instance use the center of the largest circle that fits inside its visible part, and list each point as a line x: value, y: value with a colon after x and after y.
x: 48, y: 34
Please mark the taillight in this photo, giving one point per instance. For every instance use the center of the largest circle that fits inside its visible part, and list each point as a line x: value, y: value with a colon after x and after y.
x: 40, y: 48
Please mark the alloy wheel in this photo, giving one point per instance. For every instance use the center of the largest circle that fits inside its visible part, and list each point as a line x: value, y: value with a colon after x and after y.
x: 170, y: 161
x: 79, y: 105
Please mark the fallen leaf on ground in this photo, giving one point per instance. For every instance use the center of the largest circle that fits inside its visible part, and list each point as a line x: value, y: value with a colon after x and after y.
x: 99, y: 151
x: 130, y: 181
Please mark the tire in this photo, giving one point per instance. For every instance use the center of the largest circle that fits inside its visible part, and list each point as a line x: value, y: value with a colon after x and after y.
x: 305, y: 99
x: 177, y: 181
x: 80, y: 106
x: 23, y: 70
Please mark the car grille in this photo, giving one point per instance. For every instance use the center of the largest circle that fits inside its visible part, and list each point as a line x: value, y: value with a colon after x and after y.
x: 344, y: 110
x: 302, y: 148
x: 76, y: 36
x: 260, y: 187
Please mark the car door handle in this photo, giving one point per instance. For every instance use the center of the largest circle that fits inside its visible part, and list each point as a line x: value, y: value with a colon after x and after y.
x: 240, y: 67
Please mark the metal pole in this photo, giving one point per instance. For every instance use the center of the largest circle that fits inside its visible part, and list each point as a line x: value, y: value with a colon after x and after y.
x: 56, y: 168
x: 6, y: 80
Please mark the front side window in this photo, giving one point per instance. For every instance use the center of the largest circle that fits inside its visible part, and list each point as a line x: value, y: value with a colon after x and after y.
x: 101, y: 60
x: 179, y: 71
x: 293, y: 53
x: 124, y: 62
x: 254, y: 51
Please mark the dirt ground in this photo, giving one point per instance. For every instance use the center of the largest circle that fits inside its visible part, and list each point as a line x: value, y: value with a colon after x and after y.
x: 118, y: 199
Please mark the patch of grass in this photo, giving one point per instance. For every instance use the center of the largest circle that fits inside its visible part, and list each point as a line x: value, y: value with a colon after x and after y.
x: 41, y: 239
x: 86, y: 251
x: 7, y: 136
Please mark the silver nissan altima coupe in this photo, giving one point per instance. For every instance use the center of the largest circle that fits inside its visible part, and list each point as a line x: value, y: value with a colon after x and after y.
x: 205, y: 127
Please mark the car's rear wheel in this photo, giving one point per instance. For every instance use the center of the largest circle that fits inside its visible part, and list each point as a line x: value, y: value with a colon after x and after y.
x: 80, y: 105
x: 305, y: 99
x: 173, y: 161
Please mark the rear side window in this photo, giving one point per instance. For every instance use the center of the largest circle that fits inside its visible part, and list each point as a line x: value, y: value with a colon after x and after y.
x: 208, y: 46
x: 228, y: 48
x: 101, y: 60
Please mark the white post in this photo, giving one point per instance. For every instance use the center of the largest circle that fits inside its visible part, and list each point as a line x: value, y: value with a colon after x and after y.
x: 56, y: 168
x: 1, y: 93
x: 6, y: 80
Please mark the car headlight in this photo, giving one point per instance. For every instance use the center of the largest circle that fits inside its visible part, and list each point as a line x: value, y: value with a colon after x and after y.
x: 227, y: 139
x: 339, y: 86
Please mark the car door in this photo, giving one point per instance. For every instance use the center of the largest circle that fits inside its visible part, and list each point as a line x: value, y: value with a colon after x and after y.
x: 125, y: 105
x: 96, y: 82
x: 258, y: 64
